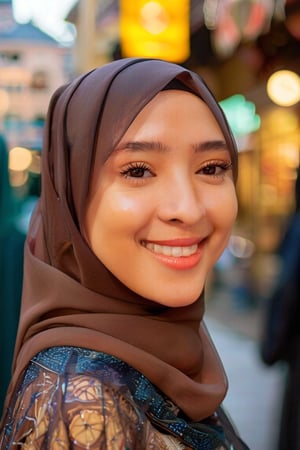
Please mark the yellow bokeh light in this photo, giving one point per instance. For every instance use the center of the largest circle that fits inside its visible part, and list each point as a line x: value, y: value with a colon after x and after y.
x: 155, y: 29
x: 283, y: 88
x: 18, y: 178
x: 154, y: 17
x: 20, y: 159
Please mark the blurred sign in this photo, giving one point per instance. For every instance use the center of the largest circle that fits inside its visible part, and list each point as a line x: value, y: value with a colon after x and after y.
x: 240, y: 114
x: 155, y: 29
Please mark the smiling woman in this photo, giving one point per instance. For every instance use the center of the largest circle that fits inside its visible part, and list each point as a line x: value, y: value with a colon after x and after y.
x: 137, y: 204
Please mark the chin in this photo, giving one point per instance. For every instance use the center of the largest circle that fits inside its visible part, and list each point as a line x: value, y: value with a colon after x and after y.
x: 178, y: 300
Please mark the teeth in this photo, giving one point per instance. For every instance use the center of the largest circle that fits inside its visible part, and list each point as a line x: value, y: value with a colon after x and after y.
x: 171, y: 251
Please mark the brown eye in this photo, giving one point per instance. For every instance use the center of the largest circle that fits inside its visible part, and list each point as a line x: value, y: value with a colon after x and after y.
x: 137, y: 170
x: 215, y: 168
x: 210, y: 170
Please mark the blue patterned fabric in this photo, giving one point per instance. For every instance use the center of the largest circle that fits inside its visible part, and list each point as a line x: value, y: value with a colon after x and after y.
x: 94, y: 400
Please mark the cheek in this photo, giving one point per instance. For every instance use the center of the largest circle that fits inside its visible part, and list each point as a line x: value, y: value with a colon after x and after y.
x: 124, y: 205
x: 223, y: 213
x: 223, y: 209
x: 117, y: 213
x: 231, y: 210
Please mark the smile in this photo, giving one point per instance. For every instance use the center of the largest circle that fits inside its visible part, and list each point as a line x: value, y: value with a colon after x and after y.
x: 183, y: 254
x: 173, y: 251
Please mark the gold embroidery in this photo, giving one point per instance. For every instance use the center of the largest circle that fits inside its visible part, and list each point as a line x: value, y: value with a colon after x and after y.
x: 82, y: 412
x: 59, y: 439
x: 40, y: 420
x: 84, y: 389
x: 156, y: 440
x: 171, y: 443
x: 128, y: 409
x: 86, y: 427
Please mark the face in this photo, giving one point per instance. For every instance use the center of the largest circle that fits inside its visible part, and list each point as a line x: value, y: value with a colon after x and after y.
x: 162, y: 207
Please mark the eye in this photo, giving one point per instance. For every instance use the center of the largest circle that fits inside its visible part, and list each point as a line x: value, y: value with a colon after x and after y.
x: 137, y: 170
x: 215, y: 168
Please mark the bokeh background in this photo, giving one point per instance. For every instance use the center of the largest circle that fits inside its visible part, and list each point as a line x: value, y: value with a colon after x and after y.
x: 248, y: 51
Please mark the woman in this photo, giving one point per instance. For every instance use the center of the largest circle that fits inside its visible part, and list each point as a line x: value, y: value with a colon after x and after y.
x: 137, y: 204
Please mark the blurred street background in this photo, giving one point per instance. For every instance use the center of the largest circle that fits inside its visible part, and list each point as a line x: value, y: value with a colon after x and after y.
x: 248, y: 52
x: 255, y: 391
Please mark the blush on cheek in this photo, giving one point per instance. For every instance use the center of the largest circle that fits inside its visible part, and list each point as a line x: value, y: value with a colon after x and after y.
x: 125, y: 205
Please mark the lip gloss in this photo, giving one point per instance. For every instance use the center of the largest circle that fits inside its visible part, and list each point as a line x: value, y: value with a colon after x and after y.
x: 179, y: 262
x: 182, y: 263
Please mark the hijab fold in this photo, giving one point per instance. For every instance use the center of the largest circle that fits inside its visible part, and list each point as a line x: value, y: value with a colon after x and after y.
x: 69, y: 297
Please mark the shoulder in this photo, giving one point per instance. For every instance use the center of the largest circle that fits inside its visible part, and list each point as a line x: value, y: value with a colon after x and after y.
x: 70, y: 396
x: 56, y: 402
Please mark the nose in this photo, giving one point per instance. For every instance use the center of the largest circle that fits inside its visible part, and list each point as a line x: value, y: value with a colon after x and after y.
x: 181, y: 201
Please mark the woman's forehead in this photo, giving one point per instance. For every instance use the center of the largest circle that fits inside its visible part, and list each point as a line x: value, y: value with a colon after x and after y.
x: 176, y: 112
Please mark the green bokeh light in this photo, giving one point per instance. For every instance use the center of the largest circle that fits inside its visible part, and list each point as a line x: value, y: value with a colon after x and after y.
x: 240, y: 114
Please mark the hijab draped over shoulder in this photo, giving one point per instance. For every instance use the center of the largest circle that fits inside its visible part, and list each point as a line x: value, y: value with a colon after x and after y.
x: 69, y: 297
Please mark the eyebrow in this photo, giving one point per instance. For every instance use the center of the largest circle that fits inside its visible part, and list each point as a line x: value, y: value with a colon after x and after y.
x: 159, y: 147
x: 142, y: 146
x: 210, y: 145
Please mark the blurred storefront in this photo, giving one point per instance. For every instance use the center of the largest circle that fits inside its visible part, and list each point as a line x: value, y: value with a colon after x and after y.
x: 32, y: 66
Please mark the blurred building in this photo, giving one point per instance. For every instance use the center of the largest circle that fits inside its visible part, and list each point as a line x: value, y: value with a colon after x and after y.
x: 32, y: 66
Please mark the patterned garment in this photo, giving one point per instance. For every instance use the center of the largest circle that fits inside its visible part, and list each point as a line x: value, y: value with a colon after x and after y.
x: 76, y: 398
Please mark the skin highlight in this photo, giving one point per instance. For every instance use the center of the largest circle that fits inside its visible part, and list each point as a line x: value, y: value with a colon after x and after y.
x: 161, y: 209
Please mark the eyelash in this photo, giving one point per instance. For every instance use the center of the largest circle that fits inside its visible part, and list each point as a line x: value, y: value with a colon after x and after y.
x: 224, y: 166
x: 127, y: 172
x: 140, y: 168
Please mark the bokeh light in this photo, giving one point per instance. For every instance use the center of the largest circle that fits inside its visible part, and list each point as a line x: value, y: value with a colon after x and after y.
x: 283, y: 88
x: 20, y: 159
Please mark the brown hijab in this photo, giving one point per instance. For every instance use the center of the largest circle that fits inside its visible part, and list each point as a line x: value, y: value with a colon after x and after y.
x: 69, y: 297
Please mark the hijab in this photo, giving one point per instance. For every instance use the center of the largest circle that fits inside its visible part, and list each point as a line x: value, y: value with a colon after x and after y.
x: 69, y: 296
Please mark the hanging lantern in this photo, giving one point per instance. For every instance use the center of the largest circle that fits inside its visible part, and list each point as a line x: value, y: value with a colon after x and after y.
x: 158, y: 29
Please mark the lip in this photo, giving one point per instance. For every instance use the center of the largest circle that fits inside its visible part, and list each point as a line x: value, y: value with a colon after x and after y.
x: 181, y: 262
